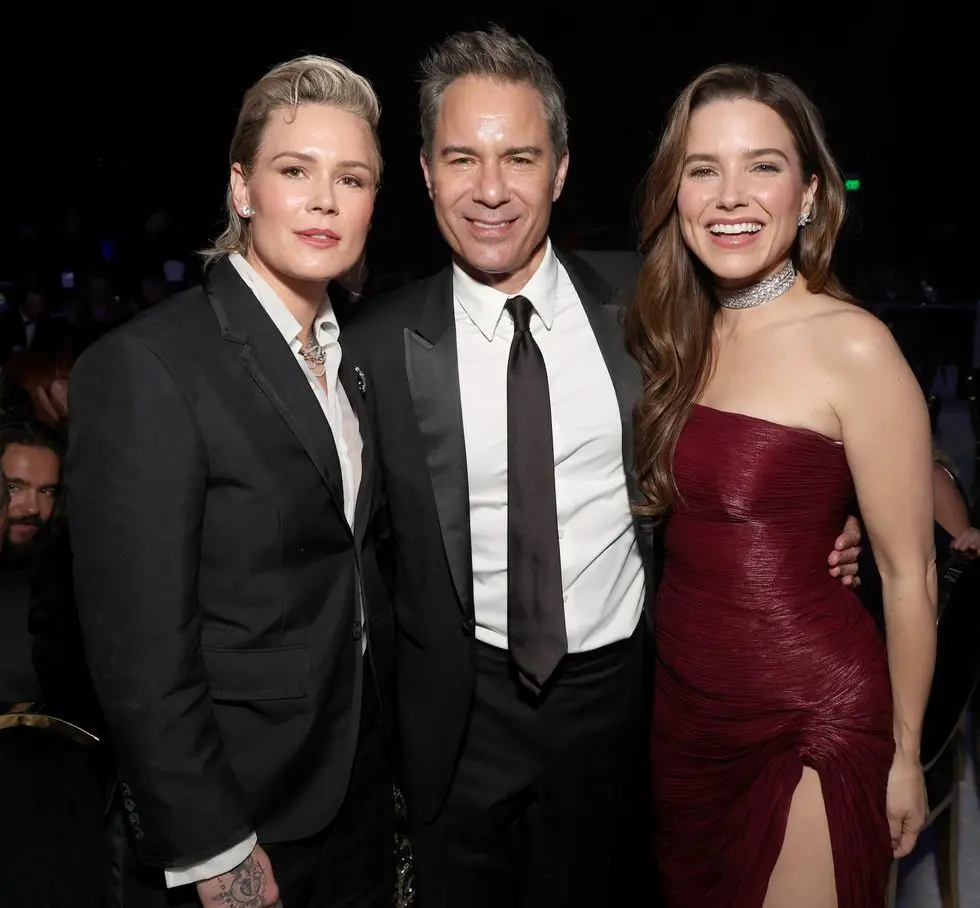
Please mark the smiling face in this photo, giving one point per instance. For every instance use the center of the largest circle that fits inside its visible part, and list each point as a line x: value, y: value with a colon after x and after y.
x: 742, y: 190
x: 493, y: 178
x: 311, y: 191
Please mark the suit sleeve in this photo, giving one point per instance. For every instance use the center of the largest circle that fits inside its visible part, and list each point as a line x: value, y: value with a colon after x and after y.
x: 136, y: 479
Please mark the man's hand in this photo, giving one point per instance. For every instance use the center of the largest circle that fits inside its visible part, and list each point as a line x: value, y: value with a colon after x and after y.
x: 249, y: 885
x: 968, y: 541
x: 843, y: 559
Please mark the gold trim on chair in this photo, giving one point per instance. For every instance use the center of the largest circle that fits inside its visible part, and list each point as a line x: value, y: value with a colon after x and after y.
x: 21, y: 716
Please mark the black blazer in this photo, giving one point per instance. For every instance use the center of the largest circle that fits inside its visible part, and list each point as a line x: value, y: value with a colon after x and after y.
x: 406, y: 345
x: 216, y: 577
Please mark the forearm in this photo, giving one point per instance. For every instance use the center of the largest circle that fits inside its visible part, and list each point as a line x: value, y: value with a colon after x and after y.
x: 910, y: 631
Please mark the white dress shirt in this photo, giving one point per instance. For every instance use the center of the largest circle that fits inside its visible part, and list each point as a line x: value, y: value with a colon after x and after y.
x: 602, y: 572
x: 343, y: 424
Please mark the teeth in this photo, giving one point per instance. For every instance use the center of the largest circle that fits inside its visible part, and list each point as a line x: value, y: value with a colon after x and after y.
x: 748, y: 227
x: 489, y: 226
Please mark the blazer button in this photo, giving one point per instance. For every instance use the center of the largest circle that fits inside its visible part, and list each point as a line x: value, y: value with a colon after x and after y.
x: 358, y: 630
x: 468, y: 626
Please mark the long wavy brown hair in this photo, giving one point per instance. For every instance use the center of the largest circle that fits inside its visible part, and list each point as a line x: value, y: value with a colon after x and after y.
x: 669, y: 323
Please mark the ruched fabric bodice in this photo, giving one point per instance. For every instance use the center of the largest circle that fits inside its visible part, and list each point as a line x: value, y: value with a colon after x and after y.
x: 765, y: 664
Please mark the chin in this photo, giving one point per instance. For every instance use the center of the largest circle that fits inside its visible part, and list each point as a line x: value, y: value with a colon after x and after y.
x: 317, y: 271
x: 734, y: 268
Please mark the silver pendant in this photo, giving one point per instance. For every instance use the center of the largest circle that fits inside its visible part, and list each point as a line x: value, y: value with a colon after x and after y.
x: 315, y: 357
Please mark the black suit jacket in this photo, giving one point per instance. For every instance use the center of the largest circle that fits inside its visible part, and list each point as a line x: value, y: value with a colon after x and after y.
x: 217, y: 579
x: 406, y: 345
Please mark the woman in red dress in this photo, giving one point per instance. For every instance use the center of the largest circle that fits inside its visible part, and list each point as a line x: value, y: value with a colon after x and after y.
x: 786, y: 730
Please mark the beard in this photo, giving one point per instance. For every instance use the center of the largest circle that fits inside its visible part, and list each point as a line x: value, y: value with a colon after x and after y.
x: 22, y: 554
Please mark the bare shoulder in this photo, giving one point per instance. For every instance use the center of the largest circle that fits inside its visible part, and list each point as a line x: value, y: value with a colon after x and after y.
x: 849, y: 336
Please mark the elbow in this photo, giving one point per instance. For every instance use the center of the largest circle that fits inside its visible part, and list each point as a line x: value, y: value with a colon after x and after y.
x: 911, y: 587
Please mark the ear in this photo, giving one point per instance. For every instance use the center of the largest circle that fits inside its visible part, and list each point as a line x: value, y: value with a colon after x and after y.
x: 809, y: 196
x: 561, y: 172
x: 239, y: 187
x: 427, y: 173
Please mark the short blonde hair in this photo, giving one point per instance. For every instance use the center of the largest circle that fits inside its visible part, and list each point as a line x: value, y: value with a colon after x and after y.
x: 305, y: 80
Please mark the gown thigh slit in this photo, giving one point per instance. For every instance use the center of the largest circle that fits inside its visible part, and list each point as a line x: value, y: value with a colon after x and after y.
x: 765, y: 664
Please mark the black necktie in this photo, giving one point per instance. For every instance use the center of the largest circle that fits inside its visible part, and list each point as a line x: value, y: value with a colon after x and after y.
x: 535, y: 606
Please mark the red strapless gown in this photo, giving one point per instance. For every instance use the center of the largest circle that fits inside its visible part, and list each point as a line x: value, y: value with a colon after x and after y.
x: 765, y: 664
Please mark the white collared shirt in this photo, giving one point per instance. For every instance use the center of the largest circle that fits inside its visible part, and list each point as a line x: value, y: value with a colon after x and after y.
x: 335, y: 404
x: 602, y: 572
x: 343, y: 424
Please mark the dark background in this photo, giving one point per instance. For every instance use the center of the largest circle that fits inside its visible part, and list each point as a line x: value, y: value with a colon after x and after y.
x: 122, y: 111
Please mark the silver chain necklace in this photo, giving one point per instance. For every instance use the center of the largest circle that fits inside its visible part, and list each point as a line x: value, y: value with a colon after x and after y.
x: 315, y: 356
x: 757, y: 294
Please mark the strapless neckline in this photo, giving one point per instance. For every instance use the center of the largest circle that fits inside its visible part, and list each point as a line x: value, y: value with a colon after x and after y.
x: 811, y: 433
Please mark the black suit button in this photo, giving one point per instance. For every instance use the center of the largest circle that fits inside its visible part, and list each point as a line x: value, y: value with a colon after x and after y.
x: 468, y: 625
x: 358, y: 630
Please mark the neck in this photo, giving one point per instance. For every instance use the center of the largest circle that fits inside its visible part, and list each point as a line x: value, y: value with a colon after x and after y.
x: 302, y: 298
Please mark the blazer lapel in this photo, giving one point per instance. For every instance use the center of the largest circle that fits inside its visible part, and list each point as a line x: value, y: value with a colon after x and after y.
x: 355, y: 387
x: 604, y: 307
x: 433, y: 377
x: 266, y: 357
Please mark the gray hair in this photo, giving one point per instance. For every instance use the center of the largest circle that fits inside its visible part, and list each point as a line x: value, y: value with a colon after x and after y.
x: 491, y: 54
x: 305, y: 80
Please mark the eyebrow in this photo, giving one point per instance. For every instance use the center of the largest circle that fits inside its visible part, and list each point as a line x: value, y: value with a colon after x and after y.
x: 18, y: 481
x: 513, y: 151
x: 310, y: 159
x: 754, y: 153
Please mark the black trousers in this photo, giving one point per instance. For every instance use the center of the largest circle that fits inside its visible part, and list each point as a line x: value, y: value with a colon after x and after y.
x: 550, y: 804
x: 349, y: 864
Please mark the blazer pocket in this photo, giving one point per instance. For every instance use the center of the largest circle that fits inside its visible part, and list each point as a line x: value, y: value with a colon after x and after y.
x: 258, y: 674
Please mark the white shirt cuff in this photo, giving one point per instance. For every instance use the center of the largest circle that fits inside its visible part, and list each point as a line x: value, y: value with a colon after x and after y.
x: 219, y: 864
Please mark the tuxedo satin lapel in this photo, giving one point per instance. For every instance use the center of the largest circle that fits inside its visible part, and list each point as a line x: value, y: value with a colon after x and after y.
x: 433, y: 378
x: 266, y: 357
x: 604, y: 307
x: 355, y: 386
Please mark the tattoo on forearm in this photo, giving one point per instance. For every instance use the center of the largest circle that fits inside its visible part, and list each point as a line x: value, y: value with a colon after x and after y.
x: 243, y: 887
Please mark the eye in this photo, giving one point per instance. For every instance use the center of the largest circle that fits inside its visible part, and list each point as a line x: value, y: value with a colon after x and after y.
x: 352, y: 181
x: 459, y: 162
x: 699, y: 172
x: 293, y: 172
x: 521, y: 161
x: 766, y: 167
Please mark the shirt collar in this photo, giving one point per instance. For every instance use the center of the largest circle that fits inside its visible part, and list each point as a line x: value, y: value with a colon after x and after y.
x: 325, y: 327
x: 484, y: 304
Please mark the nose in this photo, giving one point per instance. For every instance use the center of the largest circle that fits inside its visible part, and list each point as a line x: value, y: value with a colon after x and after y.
x: 733, y: 193
x: 491, y: 188
x: 25, y: 504
x: 323, y: 198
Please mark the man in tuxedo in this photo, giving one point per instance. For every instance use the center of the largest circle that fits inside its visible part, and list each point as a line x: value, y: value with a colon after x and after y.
x: 503, y: 396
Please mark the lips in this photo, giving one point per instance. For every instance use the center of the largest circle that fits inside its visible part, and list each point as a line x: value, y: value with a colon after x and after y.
x: 485, y: 229
x: 321, y: 233
x: 320, y: 238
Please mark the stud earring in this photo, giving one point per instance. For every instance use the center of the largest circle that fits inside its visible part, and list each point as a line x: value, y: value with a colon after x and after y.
x: 804, y: 220
x: 247, y: 212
